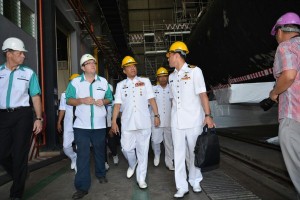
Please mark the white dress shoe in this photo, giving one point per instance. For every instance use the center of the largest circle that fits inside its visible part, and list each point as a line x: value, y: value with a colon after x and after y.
x: 180, y: 193
x: 171, y: 168
x: 73, y: 164
x: 142, y: 184
x: 156, y: 161
x: 116, y: 159
x: 106, y: 166
x: 197, y: 188
x: 130, y: 171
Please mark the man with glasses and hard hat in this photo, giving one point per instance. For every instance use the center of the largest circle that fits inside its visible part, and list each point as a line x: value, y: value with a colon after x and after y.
x: 163, y: 132
x: 66, y: 114
x: 134, y: 94
x: 190, y: 112
x: 286, y: 70
x: 18, y: 84
x: 89, y: 93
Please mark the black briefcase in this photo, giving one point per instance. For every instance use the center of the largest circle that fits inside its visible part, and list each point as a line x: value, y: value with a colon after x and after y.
x: 207, y: 150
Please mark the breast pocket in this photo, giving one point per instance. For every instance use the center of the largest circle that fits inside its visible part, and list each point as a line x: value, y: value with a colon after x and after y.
x: 99, y: 94
x: 22, y: 85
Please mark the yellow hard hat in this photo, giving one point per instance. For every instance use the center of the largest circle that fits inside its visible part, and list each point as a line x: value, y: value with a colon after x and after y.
x: 178, y: 47
x: 162, y: 72
x: 128, y: 60
x: 73, y: 76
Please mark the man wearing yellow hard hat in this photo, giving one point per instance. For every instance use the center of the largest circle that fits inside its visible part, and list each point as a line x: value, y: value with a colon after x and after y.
x: 133, y: 94
x: 163, y: 132
x: 66, y: 114
x: 190, y: 112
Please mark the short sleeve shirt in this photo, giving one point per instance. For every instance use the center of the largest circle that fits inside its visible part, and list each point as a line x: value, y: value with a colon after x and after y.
x: 163, y: 101
x: 16, y: 87
x: 287, y: 57
x: 133, y: 95
x: 64, y: 106
x: 89, y: 116
x: 186, y: 85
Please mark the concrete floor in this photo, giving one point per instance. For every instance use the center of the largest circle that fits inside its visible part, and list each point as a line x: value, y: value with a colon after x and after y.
x: 56, y: 182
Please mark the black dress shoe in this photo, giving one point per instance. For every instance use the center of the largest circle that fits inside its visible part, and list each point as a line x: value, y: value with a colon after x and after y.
x: 79, y: 194
x: 103, y: 179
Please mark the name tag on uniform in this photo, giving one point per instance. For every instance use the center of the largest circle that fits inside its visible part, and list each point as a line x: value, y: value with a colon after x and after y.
x: 139, y: 84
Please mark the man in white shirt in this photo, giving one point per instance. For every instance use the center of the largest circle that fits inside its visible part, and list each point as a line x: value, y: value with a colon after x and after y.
x: 134, y: 94
x: 18, y: 85
x: 89, y: 93
x: 190, y: 111
x: 163, y: 132
x: 66, y: 114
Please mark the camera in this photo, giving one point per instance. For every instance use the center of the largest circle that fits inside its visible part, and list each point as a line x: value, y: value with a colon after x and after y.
x: 266, y: 104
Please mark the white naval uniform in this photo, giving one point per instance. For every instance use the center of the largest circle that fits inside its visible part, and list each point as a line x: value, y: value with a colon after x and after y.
x: 187, y: 119
x: 68, y: 136
x: 163, y: 132
x: 133, y: 95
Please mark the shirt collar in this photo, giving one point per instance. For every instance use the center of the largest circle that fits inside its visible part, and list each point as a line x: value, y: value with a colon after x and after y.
x: 183, y: 69
x: 4, y: 67
x: 97, y: 78
x: 134, y: 80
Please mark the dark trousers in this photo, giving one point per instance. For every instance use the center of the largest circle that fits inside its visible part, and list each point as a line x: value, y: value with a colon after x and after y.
x: 83, y: 138
x: 15, y: 132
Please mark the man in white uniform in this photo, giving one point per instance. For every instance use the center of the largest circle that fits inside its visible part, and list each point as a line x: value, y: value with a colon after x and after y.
x: 190, y: 111
x: 163, y: 132
x: 134, y: 93
x: 66, y: 114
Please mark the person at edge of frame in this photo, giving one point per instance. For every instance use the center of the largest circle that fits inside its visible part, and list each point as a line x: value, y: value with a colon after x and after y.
x: 286, y: 70
x: 18, y: 84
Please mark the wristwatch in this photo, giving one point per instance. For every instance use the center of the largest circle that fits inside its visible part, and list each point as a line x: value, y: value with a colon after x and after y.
x: 208, y: 115
x: 157, y: 116
x: 40, y: 119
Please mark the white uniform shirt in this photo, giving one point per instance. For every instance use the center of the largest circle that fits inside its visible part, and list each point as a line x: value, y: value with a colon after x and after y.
x: 64, y: 106
x: 89, y: 116
x: 134, y: 95
x: 109, y: 114
x: 163, y: 101
x: 186, y: 85
x: 16, y: 85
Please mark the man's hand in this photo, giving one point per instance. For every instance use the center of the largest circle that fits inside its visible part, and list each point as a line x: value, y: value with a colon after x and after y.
x: 273, y: 96
x: 37, y: 126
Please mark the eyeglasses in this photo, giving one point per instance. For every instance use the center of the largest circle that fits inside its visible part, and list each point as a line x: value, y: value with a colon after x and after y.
x: 90, y: 63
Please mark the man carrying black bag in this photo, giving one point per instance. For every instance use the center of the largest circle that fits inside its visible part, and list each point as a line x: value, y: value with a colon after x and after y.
x: 190, y: 111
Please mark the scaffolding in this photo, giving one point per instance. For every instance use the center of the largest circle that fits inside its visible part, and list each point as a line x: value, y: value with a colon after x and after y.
x: 157, y: 38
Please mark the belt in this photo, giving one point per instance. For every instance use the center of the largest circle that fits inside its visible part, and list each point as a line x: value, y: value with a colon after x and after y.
x: 13, y: 109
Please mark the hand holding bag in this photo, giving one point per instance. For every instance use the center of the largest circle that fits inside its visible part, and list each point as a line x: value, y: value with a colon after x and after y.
x: 207, y: 149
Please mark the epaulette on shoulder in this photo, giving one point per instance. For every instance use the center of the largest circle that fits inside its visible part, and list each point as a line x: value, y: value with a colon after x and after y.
x: 192, y: 66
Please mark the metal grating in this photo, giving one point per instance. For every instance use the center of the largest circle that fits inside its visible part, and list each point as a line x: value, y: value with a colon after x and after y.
x: 218, y: 185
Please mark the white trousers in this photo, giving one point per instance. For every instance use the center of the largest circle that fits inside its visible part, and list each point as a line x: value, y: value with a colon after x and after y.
x: 135, y: 147
x: 68, y: 138
x: 164, y: 134
x: 289, y: 139
x: 184, y: 141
